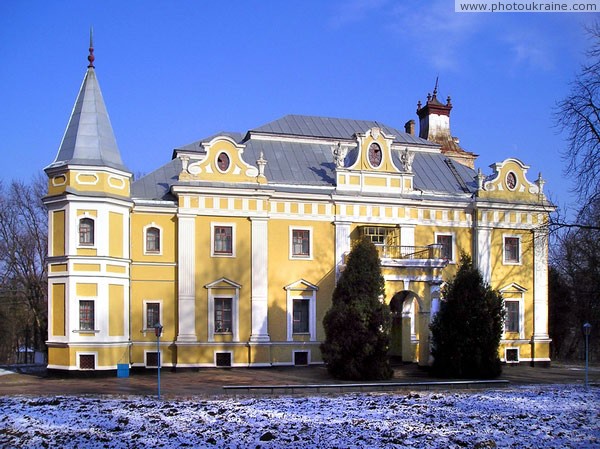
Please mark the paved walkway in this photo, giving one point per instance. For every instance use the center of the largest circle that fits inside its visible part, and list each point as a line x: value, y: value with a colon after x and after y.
x: 209, y: 382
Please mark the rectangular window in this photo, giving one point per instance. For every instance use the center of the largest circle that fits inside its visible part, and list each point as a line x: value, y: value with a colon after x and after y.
x: 300, y: 316
x: 223, y: 316
x: 152, y: 314
x: 223, y: 240
x: 301, y: 243
x: 512, y: 316
x: 446, y: 242
x: 153, y: 240
x: 376, y: 234
x: 86, y: 315
x: 511, y: 250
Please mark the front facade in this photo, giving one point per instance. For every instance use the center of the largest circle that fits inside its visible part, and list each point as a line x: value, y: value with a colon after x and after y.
x: 235, y: 244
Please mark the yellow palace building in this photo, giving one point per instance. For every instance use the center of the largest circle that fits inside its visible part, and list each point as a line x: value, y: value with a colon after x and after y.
x: 234, y: 245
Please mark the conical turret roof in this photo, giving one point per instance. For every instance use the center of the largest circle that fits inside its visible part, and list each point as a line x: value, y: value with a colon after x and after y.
x: 89, y: 139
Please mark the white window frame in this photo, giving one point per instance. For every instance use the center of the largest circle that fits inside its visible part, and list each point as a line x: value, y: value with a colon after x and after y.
x: 293, y: 256
x: 299, y: 290
x: 520, y: 255
x: 160, y: 237
x: 519, y: 316
x: 512, y: 349
x: 160, y: 358
x: 215, y: 290
x: 222, y: 351
x: 95, y: 354
x: 86, y: 215
x: 91, y: 299
x: 145, y: 317
x: 452, y: 235
x: 308, y: 356
x: 517, y: 294
x: 224, y: 299
x: 212, y: 239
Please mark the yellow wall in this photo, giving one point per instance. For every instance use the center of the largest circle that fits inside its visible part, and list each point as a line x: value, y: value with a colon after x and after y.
x: 58, y: 309
x: 167, y: 223
x: 89, y: 181
x: 58, y: 233
x: 84, y: 289
x: 236, y: 269
x: 319, y: 271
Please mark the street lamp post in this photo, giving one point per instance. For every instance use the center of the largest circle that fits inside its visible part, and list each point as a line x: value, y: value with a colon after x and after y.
x: 158, y: 331
x: 587, y: 329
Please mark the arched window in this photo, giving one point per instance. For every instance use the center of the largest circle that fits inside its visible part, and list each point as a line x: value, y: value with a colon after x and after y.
x: 152, y: 240
x: 86, y: 231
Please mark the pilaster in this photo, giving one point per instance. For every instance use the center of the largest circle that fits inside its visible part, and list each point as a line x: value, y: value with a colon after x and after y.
x: 260, y: 280
x: 540, y: 282
x: 186, y: 279
x: 342, y: 243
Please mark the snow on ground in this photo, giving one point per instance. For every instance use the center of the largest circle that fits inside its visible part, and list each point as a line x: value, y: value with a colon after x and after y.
x: 516, y: 417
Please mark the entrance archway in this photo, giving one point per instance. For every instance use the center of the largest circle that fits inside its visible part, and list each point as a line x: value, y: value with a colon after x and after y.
x: 404, y: 339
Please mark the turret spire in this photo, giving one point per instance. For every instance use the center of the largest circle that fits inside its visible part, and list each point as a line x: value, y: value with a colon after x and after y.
x: 89, y: 139
x: 91, y: 55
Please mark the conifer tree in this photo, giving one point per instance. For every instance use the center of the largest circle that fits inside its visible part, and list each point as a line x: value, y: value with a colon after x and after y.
x: 466, y: 331
x: 357, y: 326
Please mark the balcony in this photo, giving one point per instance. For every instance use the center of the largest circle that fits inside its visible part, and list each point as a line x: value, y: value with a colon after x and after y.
x: 401, y: 256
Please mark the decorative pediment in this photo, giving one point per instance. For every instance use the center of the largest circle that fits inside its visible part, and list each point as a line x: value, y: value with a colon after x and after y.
x: 509, y: 180
x: 375, y: 151
x: 223, y: 283
x: 513, y: 288
x: 301, y: 285
x: 221, y: 162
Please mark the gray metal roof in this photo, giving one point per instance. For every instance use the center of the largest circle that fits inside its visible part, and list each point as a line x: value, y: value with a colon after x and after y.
x: 89, y: 137
x: 310, y: 164
x: 293, y: 162
x: 157, y: 185
x: 333, y: 128
x: 435, y: 172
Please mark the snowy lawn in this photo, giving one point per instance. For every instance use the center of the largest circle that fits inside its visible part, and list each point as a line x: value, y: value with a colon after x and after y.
x: 525, y: 417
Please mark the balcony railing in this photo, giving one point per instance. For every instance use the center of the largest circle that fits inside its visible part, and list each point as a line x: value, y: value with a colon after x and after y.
x: 433, y: 251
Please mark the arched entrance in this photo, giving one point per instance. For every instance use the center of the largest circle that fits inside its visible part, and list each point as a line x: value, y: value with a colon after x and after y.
x: 404, y: 339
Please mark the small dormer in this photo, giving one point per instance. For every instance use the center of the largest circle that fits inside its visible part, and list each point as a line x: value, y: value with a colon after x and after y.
x: 220, y: 161
x: 376, y: 165
x: 509, y: 182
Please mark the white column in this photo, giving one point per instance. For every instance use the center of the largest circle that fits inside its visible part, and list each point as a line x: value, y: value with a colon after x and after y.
x: 434, y: 294
x: 260, y: 280
x: 434, y: 297
x: 407, y: 238
x: 342, y: 243
x: 540, y: 282
x: 483, y: 252
x: 187, y: 278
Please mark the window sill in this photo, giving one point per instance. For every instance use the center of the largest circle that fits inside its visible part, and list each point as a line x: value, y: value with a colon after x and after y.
x: 86, y: 331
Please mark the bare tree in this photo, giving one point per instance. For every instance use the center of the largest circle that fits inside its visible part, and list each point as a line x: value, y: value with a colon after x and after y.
x: 577, y: 269
x: 579, y: 115
x: 23, y: 249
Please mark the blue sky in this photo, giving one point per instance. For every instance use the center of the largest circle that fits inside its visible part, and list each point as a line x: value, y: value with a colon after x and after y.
x: 173, y: 72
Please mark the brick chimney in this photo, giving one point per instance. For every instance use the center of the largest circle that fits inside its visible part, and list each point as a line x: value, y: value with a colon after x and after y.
x: 409, y: 127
